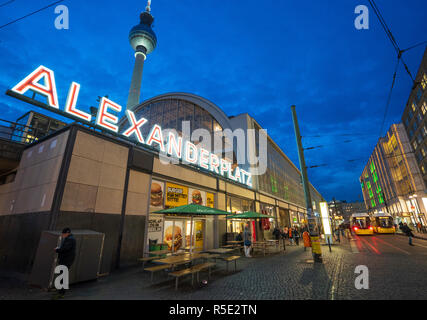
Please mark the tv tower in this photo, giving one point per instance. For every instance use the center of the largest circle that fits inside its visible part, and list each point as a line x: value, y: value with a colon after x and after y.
x: 143, y: 40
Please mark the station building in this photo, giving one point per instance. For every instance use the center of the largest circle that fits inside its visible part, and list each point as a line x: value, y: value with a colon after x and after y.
x: 84, y: 177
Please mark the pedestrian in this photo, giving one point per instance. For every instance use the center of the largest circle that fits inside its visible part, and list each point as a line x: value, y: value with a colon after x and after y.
x: 307, y: 240
x: 406, y: 230
x: 66, y: 254
x: 419, y: 227
x: 291, y: 240
x: 276, y: 233
x: 247, y: 238
x: 296, y: 236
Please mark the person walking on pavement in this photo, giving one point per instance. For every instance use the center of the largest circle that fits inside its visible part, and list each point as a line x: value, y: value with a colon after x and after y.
x: 406, y: 230
x: 296, y: 236
x: 307, y: 240
x: 276, y: 233
x: 247, y: 238
x: 291, y: 240
x: 66, y: 253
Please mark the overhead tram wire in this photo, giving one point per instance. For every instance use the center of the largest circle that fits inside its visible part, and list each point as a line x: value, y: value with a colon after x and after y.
x: 30, y: 14
x: 389, y: 95
x: 391, y: 37
x: 6, y: 3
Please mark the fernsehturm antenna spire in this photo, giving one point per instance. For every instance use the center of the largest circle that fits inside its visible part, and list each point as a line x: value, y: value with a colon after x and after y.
x: 143, y: 40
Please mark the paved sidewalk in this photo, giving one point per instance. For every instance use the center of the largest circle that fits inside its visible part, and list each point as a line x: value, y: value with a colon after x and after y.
x: 417, y: 235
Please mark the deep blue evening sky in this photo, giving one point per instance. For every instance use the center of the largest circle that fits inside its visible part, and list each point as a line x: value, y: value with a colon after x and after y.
x: 245, y: 56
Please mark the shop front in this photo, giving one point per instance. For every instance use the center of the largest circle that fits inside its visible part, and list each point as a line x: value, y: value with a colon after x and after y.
x: 173, y: 232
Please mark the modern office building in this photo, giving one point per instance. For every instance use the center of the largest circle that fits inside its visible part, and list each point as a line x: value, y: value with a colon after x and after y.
x: 414, y: 117
x: 109, y: 182
x: 391, y: 180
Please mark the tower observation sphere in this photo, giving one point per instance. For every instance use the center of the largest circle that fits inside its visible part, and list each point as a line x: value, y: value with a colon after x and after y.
x: 143, y: 41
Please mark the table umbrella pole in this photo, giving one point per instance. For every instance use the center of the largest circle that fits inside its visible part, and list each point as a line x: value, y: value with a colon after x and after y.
x: 191, y: 235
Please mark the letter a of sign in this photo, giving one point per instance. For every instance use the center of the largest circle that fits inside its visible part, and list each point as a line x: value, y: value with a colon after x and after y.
x: 32, y: 82
x: 362, y: 20
x: 362, y: 280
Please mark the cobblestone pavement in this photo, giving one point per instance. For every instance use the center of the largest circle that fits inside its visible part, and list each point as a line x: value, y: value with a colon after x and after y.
x: 396, y: 271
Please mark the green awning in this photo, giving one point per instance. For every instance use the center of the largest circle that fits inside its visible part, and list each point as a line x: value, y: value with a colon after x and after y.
x: 193, y: 210
x: 249, y: 215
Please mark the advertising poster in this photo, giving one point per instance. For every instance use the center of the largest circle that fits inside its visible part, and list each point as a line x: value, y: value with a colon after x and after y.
x: 197, y: 197
x: 173, y: 235
x: 155, y: 229
x: 210, y: 200
x: 157, y: 194
x: 176, y: 195
x: 199, y: 234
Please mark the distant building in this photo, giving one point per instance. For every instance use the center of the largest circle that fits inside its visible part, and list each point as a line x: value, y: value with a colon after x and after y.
x: 348, y: 208
x: 391, y: 180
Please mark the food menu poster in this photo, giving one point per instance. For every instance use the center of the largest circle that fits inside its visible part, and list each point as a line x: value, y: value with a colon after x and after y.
x: 157, y: 194
x: 176, y: 195
x: 155, y: 229
x: 210, y: 200
x: 197, y: 197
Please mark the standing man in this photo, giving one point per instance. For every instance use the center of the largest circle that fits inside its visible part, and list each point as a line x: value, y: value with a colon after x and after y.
x: 66, y: 253
x: 406, y: 230
x: 247, y: 237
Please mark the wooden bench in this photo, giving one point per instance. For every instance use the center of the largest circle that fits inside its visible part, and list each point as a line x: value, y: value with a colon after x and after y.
x: 231, y: 259
x: 200, y: 267
x: 181, y: 273
x: 196, y: 269
x: 146, y: 259
x: 157, y: 268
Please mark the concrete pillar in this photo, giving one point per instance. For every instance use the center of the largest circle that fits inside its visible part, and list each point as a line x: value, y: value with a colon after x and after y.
x: 135, y: 86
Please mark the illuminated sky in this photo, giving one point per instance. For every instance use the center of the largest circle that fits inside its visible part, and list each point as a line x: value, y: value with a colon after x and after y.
x: 249, y: 56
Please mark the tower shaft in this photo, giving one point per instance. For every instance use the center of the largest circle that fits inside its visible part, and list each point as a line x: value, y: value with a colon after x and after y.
x: 135, y: 86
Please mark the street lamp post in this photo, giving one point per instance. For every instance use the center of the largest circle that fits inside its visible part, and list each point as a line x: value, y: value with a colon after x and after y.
x: 313, y: 226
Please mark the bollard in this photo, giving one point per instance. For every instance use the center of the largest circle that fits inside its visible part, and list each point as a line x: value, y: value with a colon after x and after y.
x: 329, y: 244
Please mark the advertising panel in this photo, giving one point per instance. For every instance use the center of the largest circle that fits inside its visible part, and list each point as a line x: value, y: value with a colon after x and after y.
x: 197, y: 197
x: 176, y: 195
x: 157, y: 194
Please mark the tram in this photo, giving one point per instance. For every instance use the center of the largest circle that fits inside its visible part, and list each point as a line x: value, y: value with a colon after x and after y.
x: 360, y: 223
x: 383, y: 223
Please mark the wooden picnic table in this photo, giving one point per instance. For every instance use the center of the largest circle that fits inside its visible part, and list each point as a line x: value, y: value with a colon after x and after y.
x: 219, y: 251
x: 181, y: 259
x: 159, y: 252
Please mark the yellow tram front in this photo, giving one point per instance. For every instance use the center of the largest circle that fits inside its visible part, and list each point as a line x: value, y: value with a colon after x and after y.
x: 361, y: 224
x: 383, y: 223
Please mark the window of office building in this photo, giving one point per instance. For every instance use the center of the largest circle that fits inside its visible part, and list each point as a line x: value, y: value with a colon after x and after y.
x: 424, y: 130
x: 424, y: 108
x: 423, y: 151
x: 415, y: 144
x: 419, y: 138
x: 424, y: 81
x: 423, y: 170
x: 414, y: 107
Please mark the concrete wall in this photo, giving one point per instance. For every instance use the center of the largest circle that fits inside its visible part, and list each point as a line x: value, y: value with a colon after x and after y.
x: 25, y: 204
x: 94, y: 188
